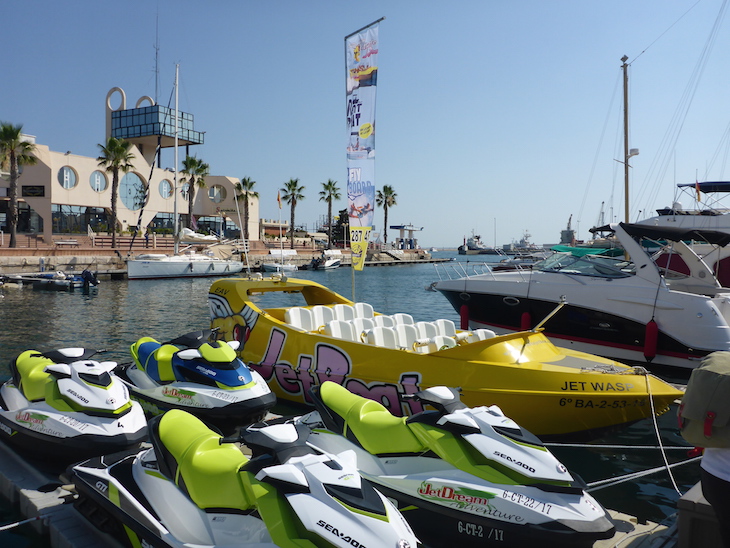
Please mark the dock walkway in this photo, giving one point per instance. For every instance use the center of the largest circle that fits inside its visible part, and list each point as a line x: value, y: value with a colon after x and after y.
x: 38, y: 494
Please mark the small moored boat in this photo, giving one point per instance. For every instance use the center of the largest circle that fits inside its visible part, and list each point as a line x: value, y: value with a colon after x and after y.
x: 553, y: 392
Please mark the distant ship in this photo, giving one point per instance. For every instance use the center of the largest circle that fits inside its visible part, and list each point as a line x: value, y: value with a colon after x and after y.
x: 473, y: 245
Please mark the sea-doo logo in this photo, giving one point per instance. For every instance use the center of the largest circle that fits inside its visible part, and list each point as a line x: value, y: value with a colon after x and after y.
x: 347, y: 538
x: 77, y: 396
x: 515, y: 462
x: 206, y: 370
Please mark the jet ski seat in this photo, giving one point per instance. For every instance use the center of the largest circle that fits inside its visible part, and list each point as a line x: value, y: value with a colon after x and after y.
x: 29, y: 375
x: 155, y: 359
x: 189, y: 453
x: 369, y: 423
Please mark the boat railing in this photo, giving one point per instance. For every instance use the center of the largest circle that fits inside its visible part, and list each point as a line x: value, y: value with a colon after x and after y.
x: 456, y: 270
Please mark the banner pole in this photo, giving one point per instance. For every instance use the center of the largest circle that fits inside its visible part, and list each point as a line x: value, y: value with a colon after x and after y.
x: 365, y: 27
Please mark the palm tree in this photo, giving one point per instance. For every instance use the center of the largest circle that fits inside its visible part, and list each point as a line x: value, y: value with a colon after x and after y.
x: 292, y: 193
x: 194, y: 172
x: 245, y: 192
x: 14, y: 152
x: 386, y: 199
x: 329, y: 193
x: 115, y: 157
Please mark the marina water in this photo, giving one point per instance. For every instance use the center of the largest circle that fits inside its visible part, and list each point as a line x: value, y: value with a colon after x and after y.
x: 119, y: 312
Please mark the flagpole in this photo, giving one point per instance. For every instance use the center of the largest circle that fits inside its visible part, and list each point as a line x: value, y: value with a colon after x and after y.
x: 281, y: 241
x: 176, y: 240
x: 365, y: 27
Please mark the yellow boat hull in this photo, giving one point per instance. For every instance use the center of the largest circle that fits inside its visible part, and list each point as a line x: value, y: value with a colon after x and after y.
x: 555, y: 393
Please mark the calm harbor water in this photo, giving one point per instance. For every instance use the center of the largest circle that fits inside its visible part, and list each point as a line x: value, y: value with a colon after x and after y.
x: 120, y: 312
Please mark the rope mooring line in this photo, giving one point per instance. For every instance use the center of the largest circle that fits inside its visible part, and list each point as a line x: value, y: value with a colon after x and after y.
x: 17, y: 523
x: 607, y: 446
x: 659, y: 437
x: 610, y: 482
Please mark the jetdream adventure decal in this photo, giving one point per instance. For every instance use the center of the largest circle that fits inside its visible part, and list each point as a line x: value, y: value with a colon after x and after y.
x: 469, y: 500
x: 182, y: 397
x: 36, y: 422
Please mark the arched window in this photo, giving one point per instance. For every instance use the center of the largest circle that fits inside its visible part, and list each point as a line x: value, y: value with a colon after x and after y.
x: 132, y: 191
x: 165, y: 188
x: 217, y: 194
x: 67, y: 177
x: 98, y: 181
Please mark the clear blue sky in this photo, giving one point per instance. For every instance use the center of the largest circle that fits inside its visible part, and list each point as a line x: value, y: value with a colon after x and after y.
x: 490, y: 113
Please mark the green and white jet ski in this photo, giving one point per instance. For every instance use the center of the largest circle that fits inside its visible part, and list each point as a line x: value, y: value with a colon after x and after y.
x: 467, y: 477
x: 62, y: 406
x: 195, y: 488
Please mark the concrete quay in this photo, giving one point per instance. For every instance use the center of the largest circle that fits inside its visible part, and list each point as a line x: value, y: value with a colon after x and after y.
x: 111, y: 264
x: 39, y: 494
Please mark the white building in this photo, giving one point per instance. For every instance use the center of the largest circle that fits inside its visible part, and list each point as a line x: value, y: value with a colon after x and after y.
x: 66, y: 193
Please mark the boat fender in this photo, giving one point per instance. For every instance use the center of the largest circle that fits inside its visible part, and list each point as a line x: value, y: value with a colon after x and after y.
x: 525, y: 321
x: 650, y: 340
x: 464, y: 316
x: 704, y: 413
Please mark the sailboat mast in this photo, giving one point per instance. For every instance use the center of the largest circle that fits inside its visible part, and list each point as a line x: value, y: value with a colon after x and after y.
x: 174, y: 184
x: 625, y: 67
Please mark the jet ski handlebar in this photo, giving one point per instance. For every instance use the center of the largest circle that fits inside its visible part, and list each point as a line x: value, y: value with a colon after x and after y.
x: 445, y: 399
x: 281, y: 441
x: 70, y: 355
x: 194, y: 339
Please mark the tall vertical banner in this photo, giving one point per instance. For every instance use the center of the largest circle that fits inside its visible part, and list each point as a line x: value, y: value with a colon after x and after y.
x: 361, y: 55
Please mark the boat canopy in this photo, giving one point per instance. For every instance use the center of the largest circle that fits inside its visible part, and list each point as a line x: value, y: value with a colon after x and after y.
x: 582, y: 251
x: 708, y: 186
x: 672, y: 234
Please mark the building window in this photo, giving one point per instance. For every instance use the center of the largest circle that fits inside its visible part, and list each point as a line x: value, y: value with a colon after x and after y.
x: 165, y: 188
x: 132, y: 191
x: 184, y: 191
x: 98, y: 181
x: 67, y: 177
x: 217, y: 194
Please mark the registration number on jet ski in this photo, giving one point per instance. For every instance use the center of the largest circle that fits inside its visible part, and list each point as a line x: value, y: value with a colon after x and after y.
x: 528, y: 502
x: 478, y: 531
x: 600, y: 404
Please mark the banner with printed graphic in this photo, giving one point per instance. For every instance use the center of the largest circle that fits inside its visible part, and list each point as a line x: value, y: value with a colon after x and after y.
x: 361, y: 54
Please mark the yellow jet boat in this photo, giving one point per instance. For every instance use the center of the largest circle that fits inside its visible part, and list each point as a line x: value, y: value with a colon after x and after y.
x: 312, y: 335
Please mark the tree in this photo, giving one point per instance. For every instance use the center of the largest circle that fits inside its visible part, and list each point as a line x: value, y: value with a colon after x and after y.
x: 14, y: 152
x: 245, y: 192
x: 386, y: 199
x: 329, y: 193
x: 193, y: 173
x: 115, y: 157
x: 292, y: 193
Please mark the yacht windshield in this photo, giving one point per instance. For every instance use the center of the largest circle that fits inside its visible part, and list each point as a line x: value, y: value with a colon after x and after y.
x: 588, y: 265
